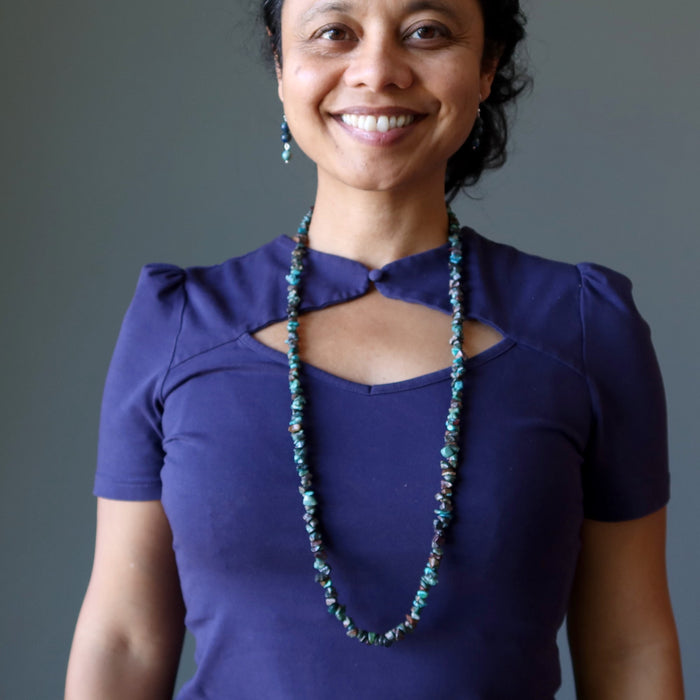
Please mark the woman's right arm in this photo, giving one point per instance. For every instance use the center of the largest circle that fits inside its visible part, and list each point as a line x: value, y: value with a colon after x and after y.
x: 130, y: 630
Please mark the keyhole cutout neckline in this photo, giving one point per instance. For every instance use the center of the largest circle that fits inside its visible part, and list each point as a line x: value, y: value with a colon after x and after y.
x: 327, y: 345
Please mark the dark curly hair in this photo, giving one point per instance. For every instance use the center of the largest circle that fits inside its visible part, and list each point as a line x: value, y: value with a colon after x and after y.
x: 504, y: 29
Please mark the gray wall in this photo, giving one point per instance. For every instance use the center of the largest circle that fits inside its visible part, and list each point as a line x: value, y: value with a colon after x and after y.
x: 135, y: 132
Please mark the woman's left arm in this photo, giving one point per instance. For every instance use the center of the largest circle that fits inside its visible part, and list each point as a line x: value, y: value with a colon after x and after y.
x: 621, y: 629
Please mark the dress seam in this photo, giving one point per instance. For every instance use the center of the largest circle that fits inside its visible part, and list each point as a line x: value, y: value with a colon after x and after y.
x: 170, y: 366
x: 580, y: 372
x: 586, y: 374
x: 205, y: 351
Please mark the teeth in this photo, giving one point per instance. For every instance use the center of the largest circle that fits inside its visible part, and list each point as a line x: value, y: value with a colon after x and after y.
x: 382, y: 123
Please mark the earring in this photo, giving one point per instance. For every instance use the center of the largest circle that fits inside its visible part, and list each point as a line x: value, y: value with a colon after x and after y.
x: 286, y: 141
x: 477, y: 131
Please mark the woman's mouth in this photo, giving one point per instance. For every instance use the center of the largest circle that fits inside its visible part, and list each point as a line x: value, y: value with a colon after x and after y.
x: 381, y: 123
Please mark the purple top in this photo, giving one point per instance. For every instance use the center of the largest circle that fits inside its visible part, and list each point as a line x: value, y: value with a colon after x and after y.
x: 564, y: 419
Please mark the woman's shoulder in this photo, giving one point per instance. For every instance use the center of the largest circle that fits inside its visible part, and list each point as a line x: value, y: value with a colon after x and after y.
x: 212, y: 304
x: 530, y: 271
x: 550, y: 305
x: 163, y: 277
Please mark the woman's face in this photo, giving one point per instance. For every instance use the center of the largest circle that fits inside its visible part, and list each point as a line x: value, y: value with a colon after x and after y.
x: 380, y: 93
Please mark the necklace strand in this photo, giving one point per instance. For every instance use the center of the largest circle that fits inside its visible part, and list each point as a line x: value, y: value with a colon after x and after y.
x: 449, y: 452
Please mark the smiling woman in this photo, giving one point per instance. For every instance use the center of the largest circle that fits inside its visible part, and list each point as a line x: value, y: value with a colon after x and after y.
x: 424, y: 66
x: 388, y: 456
x: 503, y: 31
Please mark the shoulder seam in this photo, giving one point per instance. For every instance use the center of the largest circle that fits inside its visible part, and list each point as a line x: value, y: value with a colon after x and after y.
x: 175, y: 340
x: 582, y: 321
x: 584, y: 358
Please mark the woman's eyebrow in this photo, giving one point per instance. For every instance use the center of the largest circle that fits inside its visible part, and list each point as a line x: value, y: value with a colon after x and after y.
x: 411, y: 7
x: 324, y: 8
x: 436, y: 5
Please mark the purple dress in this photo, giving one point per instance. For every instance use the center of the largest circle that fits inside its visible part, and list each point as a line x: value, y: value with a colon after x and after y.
x: 564, y: 419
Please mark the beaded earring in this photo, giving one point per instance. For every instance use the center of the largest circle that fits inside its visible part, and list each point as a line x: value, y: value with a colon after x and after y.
x: 286, y: 141
x: 477, y: 131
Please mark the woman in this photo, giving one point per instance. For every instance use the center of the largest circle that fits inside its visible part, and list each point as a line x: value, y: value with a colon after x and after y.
x: 317, y: 395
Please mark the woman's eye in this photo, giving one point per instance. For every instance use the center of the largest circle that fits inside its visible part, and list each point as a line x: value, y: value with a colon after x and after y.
x: 427, y: 31
x: 334, y: 34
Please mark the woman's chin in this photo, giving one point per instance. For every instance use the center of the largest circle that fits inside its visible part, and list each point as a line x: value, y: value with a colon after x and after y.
x: 369, y: 179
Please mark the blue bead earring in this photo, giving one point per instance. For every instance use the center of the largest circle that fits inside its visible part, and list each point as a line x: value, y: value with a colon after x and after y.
x: 286, y: 141
x: 477, y: 131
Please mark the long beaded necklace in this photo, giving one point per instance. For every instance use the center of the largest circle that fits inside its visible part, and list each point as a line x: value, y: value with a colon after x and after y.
x: 449, y: 453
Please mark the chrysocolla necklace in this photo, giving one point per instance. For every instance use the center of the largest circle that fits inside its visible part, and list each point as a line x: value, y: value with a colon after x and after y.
x: 448, y: 463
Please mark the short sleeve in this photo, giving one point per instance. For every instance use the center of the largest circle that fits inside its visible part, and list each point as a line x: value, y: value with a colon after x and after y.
x: 625, y: 474
x: 130, y: 453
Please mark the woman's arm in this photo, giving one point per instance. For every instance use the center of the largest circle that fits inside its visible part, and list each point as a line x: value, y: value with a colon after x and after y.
x: 621, y: 629
x: 129, y: 634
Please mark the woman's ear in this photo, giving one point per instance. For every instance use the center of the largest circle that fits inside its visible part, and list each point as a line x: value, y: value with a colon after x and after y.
x: 278, y: 71
x: 489, y: 66
x: 275, y: 54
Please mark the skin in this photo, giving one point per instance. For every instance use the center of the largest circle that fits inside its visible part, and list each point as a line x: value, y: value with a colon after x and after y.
x: 621, y: 629
x: 130, y: 630
x: 378, y: 198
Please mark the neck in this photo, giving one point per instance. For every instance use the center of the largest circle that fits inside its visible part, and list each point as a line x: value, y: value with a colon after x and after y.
x: 376, y: 228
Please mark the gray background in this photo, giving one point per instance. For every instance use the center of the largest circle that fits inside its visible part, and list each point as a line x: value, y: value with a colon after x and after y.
x: 134, y: 132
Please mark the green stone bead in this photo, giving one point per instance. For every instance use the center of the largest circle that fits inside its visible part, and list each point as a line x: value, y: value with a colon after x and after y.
x: 448, y: 451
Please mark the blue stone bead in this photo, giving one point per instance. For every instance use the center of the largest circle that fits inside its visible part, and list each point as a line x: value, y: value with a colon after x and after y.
x: 428, y: 580
x: 448, y: 451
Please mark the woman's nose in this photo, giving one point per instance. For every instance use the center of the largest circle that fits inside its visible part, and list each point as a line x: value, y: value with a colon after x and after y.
x: 378, y: 63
